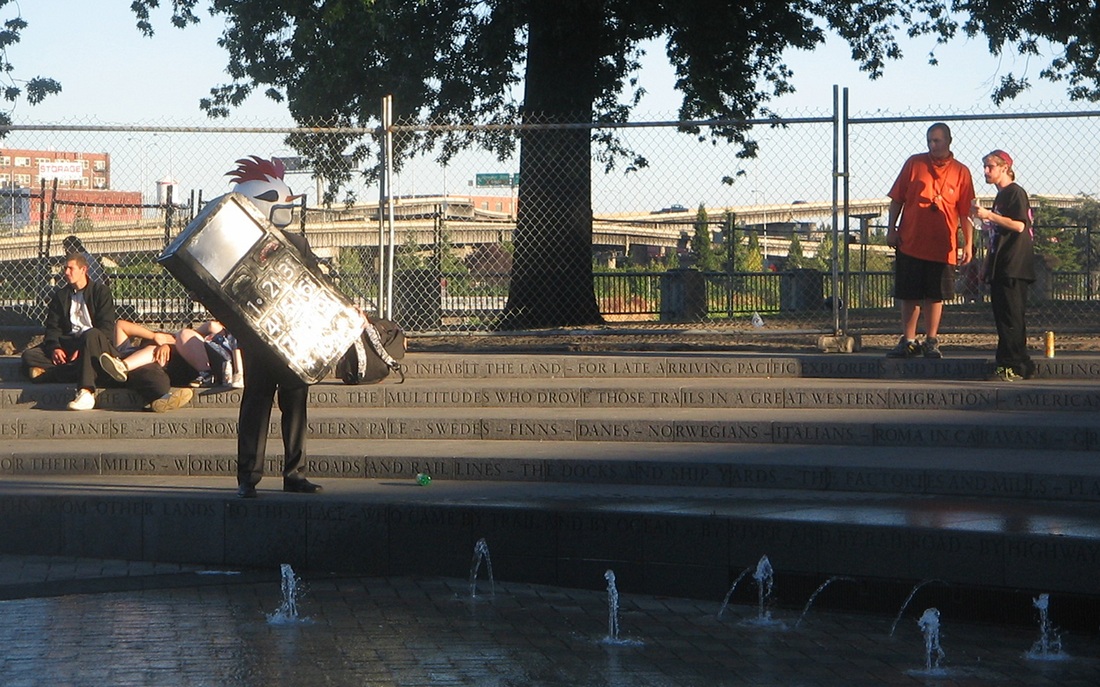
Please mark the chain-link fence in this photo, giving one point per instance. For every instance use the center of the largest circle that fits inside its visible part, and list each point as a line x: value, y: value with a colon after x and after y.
x: 639, y: 223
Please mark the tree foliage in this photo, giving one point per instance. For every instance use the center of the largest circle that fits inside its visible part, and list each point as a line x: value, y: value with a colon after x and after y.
x: 1062, y: 235
x: 702, y: 243
x: 457, y: 58
x: 751, y: 259
x: 795, y: 258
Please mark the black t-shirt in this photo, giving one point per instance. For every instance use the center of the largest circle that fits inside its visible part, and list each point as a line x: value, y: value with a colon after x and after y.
x: 1014, y: 253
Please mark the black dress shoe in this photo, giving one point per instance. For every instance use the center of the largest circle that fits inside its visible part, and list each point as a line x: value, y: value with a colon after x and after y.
x: 301, y: 486
x: 246, y: 491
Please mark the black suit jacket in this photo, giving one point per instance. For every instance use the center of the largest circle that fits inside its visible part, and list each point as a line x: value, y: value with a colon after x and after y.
x: 59, y: 326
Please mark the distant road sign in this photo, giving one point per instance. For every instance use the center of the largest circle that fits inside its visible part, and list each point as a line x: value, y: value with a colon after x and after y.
x: 493, y: 180
x: 299, y: 165
x: 292, y: 164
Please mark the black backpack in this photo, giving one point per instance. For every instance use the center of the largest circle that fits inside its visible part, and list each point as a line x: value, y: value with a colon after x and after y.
x: 374, y: 355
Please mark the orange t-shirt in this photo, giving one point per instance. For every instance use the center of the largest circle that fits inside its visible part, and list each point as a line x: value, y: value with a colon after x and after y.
x: 934, y: 194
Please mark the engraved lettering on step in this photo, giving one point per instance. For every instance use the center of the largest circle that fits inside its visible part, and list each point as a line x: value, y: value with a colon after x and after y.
x: 218, y: 428
x: 81, y: 429
x: 169, y: 429
x: 591, y: 368
x: 542, y: 367
x: 124, y: 464
x: 14, y: 429
x: 814, y: 434
x: 691, y: 431
x: 444, y: 430
x: 604, y: 430
x: 517, y: 429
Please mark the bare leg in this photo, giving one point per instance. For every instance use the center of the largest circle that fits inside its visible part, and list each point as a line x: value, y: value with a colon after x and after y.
x: 209, y: 328
x: 910, y: 314
x: 120, y: 336
x: 237, y: 382
x: 933, y: 311
x: 141, y: 357
x: 192, y: 346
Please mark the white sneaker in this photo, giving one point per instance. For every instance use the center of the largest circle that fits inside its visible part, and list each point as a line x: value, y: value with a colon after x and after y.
x: 85, y: 400
x: 113, y: 367
x: 237, y: 380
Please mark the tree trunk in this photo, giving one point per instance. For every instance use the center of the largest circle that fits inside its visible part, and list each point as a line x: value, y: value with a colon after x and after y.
x: 551, y: 284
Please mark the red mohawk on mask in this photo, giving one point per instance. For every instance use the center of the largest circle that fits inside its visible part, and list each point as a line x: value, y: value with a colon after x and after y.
x: 255, y: 168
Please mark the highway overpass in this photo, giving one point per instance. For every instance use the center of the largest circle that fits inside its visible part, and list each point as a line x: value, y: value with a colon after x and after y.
x: 414, y: 222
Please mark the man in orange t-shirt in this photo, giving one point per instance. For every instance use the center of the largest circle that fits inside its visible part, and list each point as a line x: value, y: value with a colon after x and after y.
x: 931, y: 194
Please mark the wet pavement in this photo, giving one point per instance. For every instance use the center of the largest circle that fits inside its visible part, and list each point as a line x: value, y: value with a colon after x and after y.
x: 162, y: 624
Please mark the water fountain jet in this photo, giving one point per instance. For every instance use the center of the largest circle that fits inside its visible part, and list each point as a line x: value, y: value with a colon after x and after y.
x: 764, y: 577
x: 288, y: 611
x: 826, y: 583
x: 612, y: 637
x: 726, y: 601
x: 481, y: 554
x: 909, y: 598
x: 612, y: 607
x: 929, y: 624
x: 1049, y: 645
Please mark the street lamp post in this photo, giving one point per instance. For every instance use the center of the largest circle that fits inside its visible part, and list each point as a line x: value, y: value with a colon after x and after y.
x: 764, y: 245
x: 142, y: 168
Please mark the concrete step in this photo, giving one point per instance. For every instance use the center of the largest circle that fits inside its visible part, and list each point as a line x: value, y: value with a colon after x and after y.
x: 1001, y: 473
x: 679, y: 470
x: 908, y: 436
x: 737, y: 393
x: 852, y: 427
x: 667, y: 540
x: 729, y: 365
x: 687, y: 365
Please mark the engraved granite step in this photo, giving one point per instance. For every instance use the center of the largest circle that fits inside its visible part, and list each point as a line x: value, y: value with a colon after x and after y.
x: 798, y: 426
x: 855, y: 394
x: 663, y: 365
x: 1002, y: 473
x: 686, y: 365
x: 467, y: 424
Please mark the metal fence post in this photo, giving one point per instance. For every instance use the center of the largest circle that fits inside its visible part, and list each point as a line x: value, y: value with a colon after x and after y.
x: 1088, y: 260
x: 42, y: 219
x: 840, y: 320
x: 835, y: 275
x: 386, y: 232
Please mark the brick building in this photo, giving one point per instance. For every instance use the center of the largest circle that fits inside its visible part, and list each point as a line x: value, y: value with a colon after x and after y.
x: 20, y: 168
x: 83, y: 188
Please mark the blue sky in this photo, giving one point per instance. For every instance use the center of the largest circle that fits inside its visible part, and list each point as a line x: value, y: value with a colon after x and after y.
x: 112, y: 74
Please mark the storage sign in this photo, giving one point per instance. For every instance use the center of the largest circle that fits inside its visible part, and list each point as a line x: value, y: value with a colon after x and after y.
x: 66, y: 170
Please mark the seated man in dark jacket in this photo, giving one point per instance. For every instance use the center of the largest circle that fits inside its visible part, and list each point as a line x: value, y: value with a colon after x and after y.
x: 80, y: 324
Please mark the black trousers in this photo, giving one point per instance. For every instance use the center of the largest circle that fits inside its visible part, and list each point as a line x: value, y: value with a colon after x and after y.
x: 84, y: 370
x: 1009, y: 299
x: 265, y: 377
x: 149, y: 381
